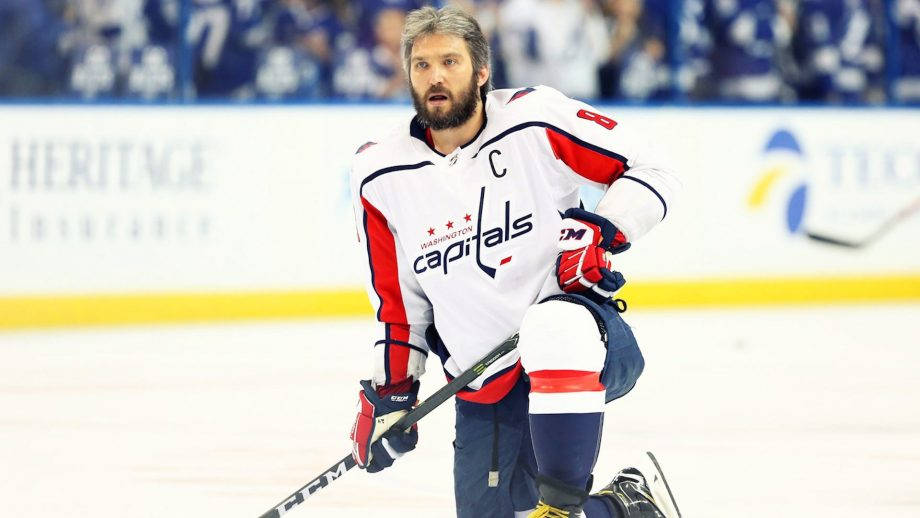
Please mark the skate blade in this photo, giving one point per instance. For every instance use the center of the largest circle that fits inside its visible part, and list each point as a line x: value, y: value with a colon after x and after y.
x: 659, y: 487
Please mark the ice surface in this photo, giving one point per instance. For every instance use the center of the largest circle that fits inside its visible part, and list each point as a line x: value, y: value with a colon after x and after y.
x: 753, y: 413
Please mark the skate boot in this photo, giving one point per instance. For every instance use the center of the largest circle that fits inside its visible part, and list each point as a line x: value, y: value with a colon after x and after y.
x: 641, y: 493
x: 558, y: 500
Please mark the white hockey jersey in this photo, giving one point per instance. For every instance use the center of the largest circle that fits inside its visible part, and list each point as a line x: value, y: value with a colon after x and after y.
x: 468, y: 241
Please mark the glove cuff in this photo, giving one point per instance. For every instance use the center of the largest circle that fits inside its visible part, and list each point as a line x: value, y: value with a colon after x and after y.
x: 612, y: 239
x: 391, y: 401
x: 400, y: 387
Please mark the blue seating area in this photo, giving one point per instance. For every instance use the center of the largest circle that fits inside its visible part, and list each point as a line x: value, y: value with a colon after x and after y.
x: 848, y: 52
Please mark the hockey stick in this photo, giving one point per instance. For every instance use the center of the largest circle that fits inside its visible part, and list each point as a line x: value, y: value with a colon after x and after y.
x: 882, y: 229
x: 424, y: 408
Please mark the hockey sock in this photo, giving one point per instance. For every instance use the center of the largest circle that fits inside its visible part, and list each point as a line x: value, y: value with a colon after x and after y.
x: 565, y: 445
x: 565, y: 423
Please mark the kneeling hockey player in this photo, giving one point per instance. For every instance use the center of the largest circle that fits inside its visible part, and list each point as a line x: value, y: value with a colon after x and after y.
x: 471, y: 219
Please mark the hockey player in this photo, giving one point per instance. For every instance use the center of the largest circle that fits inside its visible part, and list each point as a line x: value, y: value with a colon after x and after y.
x: 470, y: 218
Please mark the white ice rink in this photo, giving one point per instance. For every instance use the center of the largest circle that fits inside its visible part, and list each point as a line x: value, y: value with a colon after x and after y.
x: 753, y: 413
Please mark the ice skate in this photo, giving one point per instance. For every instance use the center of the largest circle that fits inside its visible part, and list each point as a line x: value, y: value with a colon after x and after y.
x: 558, y: 500
x: 544, y: 510
x: 641, y: 492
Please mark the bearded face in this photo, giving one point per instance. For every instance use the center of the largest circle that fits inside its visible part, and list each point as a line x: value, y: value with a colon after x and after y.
x: 439, y: 108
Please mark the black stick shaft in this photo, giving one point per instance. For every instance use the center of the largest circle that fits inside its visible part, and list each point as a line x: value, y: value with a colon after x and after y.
x: 880, y: 231
x: 447, y: 391
x: 424, y: 408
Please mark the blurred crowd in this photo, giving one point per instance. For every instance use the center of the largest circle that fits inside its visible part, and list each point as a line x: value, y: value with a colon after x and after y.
x: 825, y: 51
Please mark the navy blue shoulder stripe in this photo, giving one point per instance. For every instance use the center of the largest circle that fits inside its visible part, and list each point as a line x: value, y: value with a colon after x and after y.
x: 566, y: 134
x: 520, y: 93
x: 392, y: 169
x: 649, y: 187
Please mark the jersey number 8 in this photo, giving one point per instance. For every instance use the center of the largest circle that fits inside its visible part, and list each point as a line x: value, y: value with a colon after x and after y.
x: 606, y: 122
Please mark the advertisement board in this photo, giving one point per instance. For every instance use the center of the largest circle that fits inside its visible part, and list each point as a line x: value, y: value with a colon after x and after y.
x: 214, y: 204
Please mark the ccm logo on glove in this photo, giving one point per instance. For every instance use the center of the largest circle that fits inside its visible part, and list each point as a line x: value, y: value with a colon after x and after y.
x: 584, y: 266
x: 375, y: 443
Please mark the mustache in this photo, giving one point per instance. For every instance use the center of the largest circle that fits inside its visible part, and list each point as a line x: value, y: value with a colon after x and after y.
x: 438, y: 91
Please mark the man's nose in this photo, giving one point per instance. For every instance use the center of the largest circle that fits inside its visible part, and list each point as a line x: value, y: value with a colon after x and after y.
x: 436, y: 76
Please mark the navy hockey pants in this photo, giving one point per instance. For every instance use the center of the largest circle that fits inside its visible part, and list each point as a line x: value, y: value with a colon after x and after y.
x: 497, y: 437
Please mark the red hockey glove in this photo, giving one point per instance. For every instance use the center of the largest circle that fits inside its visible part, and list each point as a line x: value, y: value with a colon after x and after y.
x: 587, y: 242
x: 378, y: 411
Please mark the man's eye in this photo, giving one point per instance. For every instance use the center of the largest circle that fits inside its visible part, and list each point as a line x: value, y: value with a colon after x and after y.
x: 450, y: 61
x: 421, y: 64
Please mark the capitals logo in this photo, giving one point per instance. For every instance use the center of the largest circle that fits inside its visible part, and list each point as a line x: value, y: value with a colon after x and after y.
x: 782, y: 175
x: 511, y: 227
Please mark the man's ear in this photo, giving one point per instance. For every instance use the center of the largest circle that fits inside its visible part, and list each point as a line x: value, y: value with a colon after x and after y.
x: 482, y: 77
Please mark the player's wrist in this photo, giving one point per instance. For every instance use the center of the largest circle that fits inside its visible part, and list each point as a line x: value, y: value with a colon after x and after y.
x: 395, y: 362
x: 606, y: 233
x: 400, y: 387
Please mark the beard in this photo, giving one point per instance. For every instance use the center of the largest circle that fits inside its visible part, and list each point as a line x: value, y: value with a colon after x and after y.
x: 461, y: 110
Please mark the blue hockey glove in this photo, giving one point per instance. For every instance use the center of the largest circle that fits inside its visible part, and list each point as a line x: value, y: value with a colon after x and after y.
x: 374, y: 444
x: 584, y: 266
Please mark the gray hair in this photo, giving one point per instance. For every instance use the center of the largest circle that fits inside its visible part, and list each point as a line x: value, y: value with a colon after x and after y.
x: 447, y: 20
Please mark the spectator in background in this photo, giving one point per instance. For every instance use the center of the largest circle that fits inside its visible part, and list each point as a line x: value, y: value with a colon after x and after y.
x: 695, y: 42
x: 636, y: 67
x: 558, y: 43
x: 375, y: 71
x: 906, y: 86
x: 102, y: 44
x: 207, y: 32
x: 152, y: 73
x: 741, y: 46
x: 117, y: 24
x: 315, y: 32
x: 838, y: 46
x: 486, y: 13
x: 227, y: 37
x: 162, y: 17
x: 365, y: 14
x: 31, y: 58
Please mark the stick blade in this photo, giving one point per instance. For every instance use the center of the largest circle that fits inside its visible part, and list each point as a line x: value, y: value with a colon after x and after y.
x: 661, y: 491
x: 836, y: 241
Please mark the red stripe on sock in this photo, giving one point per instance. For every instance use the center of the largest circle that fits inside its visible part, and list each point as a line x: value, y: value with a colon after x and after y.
x: 554, y: 381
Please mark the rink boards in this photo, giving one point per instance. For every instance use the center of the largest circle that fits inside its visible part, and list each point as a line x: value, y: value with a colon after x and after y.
x: 113, y: 214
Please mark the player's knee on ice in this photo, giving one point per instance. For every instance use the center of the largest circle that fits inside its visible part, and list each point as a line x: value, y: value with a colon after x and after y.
x: 560, y: 335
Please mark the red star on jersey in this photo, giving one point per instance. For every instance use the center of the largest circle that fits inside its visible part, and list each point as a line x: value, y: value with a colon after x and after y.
x: 450, y: 224
x: 430, y: 231
x: 467, y: 218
